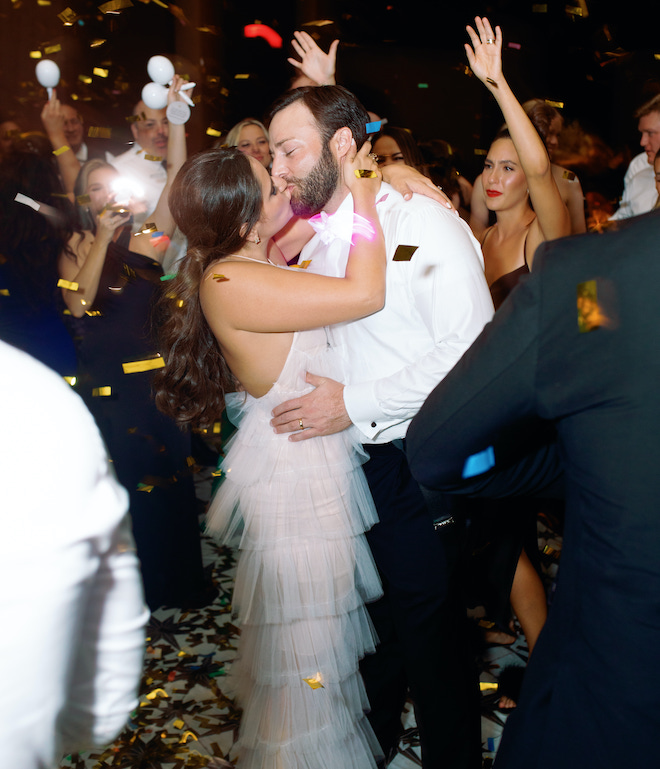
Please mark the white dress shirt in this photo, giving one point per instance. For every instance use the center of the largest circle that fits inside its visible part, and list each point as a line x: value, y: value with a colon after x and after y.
x: 436, y: 304
x: 71, y: 610
x: 639, y: 192
x: 151, y: 178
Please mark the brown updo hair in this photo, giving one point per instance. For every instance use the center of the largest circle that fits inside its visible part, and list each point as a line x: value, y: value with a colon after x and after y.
x: 215, y: 200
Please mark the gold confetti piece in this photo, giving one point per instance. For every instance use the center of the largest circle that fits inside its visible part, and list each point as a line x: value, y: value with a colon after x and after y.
x: 491, y: 81
x: 145, y: 487
x: 213, y: 132
x: 185, y: 736
x: 97, y: 43
x: 70, y: 284
x: 480, y: 152
x: 181, y: 654
x: 100, y: 72
x: 148, y: 364
x: 574, y: 10
x: 101, y: 392
x: 93, y: 313
x: 159, y: 2
x: 44, y: 3
x: 242, y: 77
x: 404, y: 253
x: 35, y: 54
x: 61, y: 150
x: 224, y: 92
x: 115, y: 6
x: 85, y: 79
x: 155, y: 158
x: 568, y: 175
x: 148, y: 228
x: 556, y: 104
x: 70, y: 380
x: 218, y: 278
x: 68, y: 17
x: 484, y: 686
x: 540, y: 8
x: 590, y: 315
x: 179, y: 724
x: 190, y: 461
x: 319, y: 23
x: 52, y: 49
x: 83, y: 200
x: 180, y: 303
x: 486, y: 623
x: 217, y: 428
x: 96, y: 132
x: 303, y: 265
x: 4, y: 292
x: 119, y: 209
x: 365, y: 173
x: 152, y: 695
x: 217, y: 473
x: 315, y: 682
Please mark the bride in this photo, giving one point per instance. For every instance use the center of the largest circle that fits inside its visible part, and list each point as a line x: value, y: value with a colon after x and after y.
x: 241, y: 331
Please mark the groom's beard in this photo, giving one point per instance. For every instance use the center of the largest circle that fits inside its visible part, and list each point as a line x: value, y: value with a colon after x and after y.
x: 311, y: 193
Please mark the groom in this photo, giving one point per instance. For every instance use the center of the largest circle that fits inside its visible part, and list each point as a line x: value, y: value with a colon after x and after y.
x: 437, y: 303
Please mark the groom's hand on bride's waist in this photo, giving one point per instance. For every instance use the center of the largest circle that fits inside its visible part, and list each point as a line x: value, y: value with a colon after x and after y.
x: 319, y: 412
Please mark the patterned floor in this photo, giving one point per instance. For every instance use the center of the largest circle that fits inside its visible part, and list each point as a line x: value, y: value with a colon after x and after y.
x: 185, y: 716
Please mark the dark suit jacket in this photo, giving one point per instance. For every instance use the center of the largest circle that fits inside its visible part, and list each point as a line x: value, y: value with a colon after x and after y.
x: 591, y: 696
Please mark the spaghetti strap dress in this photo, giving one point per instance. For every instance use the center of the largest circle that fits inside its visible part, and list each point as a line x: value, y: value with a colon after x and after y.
x: 304, y: 573
x: 500, y: 528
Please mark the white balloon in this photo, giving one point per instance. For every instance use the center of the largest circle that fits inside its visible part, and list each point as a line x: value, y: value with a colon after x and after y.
x: 160, y: 69
x: 48, y: 73
x: 154, y: 95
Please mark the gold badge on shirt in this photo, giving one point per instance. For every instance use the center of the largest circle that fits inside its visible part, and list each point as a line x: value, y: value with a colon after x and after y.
x: 404, y: 253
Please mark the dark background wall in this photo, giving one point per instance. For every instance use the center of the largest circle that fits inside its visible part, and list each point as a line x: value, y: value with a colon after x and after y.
x: 404, y: 59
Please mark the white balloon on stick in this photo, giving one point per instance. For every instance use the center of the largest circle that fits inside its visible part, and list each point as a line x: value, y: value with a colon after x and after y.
x: 160, y: 69
x: 154, y: 95
x: 48, y: 75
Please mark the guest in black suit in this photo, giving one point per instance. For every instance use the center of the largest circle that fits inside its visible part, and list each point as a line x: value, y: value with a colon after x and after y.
x: 576, y: 347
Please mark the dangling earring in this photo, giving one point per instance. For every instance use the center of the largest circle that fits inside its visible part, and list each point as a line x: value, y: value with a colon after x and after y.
x: 257, y: 239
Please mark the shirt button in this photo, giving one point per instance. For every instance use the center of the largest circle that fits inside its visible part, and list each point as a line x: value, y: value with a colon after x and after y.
x: 373, y: 424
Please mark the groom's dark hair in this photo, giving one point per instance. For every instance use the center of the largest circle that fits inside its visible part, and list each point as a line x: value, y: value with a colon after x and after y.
x: 332, y: 106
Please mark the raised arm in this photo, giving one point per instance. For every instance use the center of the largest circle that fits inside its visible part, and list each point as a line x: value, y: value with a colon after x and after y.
x: 485, y: 59
x: 86, y: 265
x: 176, y: 157
x: 317, y: 65
x: 67, y: 163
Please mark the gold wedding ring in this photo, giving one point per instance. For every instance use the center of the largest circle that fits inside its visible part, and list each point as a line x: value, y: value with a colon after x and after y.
x: 365, y: 173
x: 490, y: 41
x: 302, y: 427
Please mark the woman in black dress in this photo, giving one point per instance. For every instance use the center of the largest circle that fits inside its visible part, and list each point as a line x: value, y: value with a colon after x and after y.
x: 114, y: 279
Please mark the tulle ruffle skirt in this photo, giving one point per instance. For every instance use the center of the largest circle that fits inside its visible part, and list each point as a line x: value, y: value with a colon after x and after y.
x: 304, y: 574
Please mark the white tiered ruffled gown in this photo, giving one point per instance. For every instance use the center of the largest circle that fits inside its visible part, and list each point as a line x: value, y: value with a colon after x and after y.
x: 304, y: 573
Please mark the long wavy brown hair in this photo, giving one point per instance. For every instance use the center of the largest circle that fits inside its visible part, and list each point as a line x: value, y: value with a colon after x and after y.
x: 216, y: 201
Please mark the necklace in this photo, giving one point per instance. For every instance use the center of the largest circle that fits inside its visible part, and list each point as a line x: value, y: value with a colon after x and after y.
x: 251, y: 259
